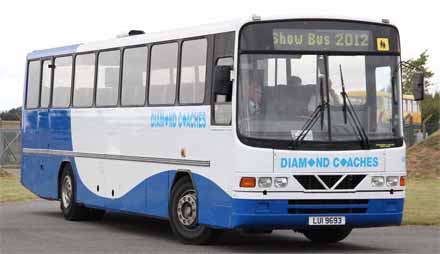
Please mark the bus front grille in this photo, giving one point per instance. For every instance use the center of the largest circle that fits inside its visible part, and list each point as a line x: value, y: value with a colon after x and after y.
x: 323, y: 182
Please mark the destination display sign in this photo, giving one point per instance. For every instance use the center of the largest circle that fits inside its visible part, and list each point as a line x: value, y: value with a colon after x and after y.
x: 326, y: 40
x: 319, y: 36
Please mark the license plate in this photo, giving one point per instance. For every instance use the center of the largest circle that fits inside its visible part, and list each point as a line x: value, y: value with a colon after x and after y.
x: 326, y: 220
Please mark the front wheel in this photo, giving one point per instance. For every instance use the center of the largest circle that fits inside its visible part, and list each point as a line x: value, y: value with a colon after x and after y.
x: 327, y: 235
x: 183, y: 212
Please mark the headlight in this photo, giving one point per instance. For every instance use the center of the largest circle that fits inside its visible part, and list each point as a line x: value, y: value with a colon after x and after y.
x: 377, y: 181
x: 280, y: 182
x: 265, y: 182
x: 392, y: 181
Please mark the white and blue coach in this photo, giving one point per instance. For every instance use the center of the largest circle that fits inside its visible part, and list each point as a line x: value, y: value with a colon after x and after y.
x: 244, y: 124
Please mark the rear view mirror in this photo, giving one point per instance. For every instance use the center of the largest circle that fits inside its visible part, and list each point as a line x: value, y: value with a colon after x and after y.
x: 222, y: 80
x: 418, y: 84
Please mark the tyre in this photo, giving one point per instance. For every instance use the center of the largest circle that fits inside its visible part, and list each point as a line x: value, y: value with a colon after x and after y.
x: 183, y: 215
x: 333, y: 235
x: 71, y: 210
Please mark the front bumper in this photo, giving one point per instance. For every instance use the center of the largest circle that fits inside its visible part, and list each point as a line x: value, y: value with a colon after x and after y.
x: 294, y: 214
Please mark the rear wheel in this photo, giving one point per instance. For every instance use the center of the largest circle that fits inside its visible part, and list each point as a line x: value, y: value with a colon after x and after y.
x: 327, y: 235
x: 72, y: 210
x: 183, y: 212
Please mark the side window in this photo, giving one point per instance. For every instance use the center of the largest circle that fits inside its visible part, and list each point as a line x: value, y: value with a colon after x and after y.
x: 62, y: 82
x: 108, y: 78
x: 33, y: 84
x: 193, y: 71
x: 222, y: 104
x: 134, y: 76
x: 84, y: 80
x: 163, y: 74
x: 46, y: 81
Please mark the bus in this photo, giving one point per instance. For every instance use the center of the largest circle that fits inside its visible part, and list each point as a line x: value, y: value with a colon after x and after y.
x: 412, y: 112
x: 243, y: 125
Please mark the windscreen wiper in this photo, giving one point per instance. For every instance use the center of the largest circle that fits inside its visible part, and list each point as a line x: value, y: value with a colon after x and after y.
x: 348, y: 108
x: 318, y: 113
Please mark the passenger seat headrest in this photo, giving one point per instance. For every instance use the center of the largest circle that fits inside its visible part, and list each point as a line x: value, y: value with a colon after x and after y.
x: 294, y: 81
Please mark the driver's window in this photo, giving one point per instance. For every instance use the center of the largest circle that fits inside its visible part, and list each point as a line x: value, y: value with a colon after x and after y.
x: 222, y: 103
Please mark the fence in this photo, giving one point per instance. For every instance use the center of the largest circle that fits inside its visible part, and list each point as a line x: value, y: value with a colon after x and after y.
x: 10, y: 143
x: 414, y: 134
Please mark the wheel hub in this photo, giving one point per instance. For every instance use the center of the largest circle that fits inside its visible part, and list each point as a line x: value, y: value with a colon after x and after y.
x: 66, y: 191
x: 187, y: 209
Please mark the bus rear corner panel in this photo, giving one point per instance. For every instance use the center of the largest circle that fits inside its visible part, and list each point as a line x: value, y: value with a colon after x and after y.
x: 39, y: 174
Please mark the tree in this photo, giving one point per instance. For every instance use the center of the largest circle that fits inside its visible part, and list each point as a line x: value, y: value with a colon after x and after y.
x: 420, y: 65
x: 431, y: 103
x: 11, y: 115
x: 431, y: 107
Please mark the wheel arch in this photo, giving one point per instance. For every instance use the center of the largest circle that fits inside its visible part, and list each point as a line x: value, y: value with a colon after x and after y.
x: 181, y: 173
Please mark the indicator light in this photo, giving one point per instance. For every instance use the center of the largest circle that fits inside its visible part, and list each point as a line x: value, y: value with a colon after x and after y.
x: 247, y: 182
x: 402, y: 180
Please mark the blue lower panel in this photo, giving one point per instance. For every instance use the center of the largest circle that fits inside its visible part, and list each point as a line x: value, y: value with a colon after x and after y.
x: 216, y: 208
x: 150, y: 197
x: 39, y: 173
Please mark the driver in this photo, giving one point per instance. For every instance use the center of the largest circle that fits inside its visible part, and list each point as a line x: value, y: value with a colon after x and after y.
x: 255, y: 95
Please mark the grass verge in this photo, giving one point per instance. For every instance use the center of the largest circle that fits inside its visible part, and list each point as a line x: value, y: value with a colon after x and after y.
x: 11, y: 188
x: 422, y: 203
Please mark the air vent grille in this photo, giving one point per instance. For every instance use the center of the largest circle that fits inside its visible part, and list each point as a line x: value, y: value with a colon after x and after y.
x: 323, y: 182
x: 330, y: 180
x: 350, y: 182
x: 309, y: 182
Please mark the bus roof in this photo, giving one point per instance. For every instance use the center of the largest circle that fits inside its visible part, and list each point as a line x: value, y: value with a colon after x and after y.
x: 194, y: 31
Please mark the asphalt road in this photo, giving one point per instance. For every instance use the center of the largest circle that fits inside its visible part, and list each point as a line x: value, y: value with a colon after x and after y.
x: 38, y: 227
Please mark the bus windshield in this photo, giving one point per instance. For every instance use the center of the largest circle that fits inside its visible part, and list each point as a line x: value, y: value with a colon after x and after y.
x: 278, y: 95
x: 282, y: 93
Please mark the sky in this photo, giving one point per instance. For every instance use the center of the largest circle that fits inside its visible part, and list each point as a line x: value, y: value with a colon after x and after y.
x: 31, y: 25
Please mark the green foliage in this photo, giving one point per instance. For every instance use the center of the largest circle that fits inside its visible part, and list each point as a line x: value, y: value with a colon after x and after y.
x: 408, y: 73
x: 11, y: 115
x: 431, y: 103
x: 431, y: 106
